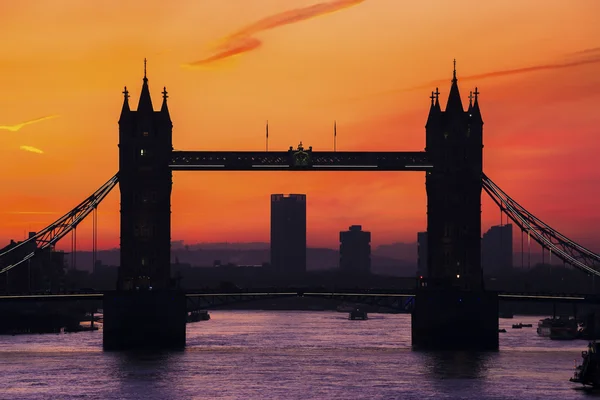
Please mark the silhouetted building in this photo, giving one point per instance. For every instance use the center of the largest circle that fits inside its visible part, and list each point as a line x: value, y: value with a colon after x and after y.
x: 355, y: 250
x: 422, y: 254
x: 454, y: 144
x: 145, y: 181
x: 288, y: 233
x: 41, y: 273
x: 497, y: 249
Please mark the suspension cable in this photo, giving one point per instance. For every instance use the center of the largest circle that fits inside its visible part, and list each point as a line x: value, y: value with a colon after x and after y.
x: 564, y: 248
x: 58, y: 229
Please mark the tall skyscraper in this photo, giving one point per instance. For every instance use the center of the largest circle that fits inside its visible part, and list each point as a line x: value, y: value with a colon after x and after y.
x: 422, y: 254
x: 288, y: 233
x: 355, y: 250
x: 497, y: 249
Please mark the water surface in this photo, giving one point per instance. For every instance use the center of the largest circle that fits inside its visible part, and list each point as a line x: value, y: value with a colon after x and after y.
x: 290, y: 355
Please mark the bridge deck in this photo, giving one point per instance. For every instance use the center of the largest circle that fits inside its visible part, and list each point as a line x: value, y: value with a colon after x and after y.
x: 299, y: 160
x: 340, y: 294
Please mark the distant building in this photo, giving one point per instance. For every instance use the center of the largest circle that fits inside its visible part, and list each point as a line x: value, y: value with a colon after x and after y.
x: 497, y: 249
x: 288, y: 233
x: 422, y: 254
x: 355, y: 250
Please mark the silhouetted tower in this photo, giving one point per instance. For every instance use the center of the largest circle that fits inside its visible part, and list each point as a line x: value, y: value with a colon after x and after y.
x: 454, y: 142
x: 145, y: 145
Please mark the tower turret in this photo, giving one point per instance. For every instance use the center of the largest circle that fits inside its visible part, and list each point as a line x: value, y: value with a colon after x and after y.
x: 434, y: 109
x: 164, y: 109
x: 125, y: 110
x: 475, y: 112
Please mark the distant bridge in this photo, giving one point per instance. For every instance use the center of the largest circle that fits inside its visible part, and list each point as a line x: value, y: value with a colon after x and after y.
x: 396, y: 300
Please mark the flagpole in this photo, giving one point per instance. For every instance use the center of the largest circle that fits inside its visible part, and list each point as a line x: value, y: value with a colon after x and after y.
x: 267, y: 137
x: 334, y: 135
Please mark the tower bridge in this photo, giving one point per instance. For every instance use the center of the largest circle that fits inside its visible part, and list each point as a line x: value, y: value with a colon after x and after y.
x: 146, y: 310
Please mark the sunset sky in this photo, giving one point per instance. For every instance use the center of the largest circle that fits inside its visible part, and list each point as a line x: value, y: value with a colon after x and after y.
x: 230, y: 65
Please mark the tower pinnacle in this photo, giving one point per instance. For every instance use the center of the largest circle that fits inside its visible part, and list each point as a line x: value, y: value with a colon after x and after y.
x: 145, y: 78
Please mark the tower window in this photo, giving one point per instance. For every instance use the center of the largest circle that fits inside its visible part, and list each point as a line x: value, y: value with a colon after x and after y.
x: 145, y: 134
x: 143, y: 152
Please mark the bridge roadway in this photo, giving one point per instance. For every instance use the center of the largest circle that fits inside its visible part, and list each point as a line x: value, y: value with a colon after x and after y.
x: 383, y: 298
x: 299, y: 159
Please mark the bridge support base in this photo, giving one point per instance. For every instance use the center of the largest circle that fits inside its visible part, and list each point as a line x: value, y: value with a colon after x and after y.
x: 144, y: 320
x: 455, y: 320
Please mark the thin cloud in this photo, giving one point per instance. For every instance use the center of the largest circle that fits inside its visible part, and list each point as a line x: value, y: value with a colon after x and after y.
x: 32, y: 212
x: 32, y: 149
x: 243, y: 41
x: 17, y: 127
x: 508, y: 72
x: 593, y: 50
x: 593, y: 59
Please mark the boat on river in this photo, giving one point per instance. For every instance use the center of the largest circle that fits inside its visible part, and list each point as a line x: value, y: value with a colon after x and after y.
x: 358, y: 314
x: 588, y: 373
x: 558, y: 328
x: 198, y: 315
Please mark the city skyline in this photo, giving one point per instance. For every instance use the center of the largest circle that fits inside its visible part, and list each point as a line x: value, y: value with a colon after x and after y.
x: 530, y: 155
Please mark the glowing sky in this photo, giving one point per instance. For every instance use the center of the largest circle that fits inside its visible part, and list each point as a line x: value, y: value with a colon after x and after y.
x: 370, y: 65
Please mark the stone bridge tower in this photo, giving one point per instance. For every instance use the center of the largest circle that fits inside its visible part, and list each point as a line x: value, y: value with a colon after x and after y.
x: 145, y: 181
x: 454, y: 143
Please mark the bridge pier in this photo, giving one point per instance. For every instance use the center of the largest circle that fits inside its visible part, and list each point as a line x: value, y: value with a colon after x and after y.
x: 144, y: 320
x: 451, y: 319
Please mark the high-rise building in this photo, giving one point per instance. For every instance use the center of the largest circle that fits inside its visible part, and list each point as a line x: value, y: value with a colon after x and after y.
x: 497, y: 249
x: 288, y: 233
x: 355, y: 250
x: 422, y: 254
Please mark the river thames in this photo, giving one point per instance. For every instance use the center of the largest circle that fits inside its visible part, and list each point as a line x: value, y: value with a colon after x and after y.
x: 290, y: 355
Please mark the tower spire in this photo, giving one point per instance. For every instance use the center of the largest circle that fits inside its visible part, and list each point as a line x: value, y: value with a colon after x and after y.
x: 145, y: 103
x: 454, y: 102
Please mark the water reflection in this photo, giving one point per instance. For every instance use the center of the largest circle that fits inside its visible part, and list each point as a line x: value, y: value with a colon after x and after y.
x: 146, y: 371
x: 457, y: 364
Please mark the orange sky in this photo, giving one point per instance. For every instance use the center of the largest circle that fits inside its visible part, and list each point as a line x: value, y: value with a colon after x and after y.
x: 370, y: 65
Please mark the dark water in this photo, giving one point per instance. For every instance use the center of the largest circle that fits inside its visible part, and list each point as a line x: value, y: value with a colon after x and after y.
x: 289, y: 355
